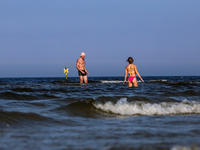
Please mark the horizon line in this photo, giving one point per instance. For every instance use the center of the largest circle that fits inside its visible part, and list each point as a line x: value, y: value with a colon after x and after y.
x: 109, y: 76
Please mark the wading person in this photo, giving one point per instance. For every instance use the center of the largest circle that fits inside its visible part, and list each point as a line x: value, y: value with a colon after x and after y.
x: 82, y: 72
x: 132, y: 70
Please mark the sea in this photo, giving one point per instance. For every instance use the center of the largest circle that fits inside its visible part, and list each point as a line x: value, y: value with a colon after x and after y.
x: 162, y: 113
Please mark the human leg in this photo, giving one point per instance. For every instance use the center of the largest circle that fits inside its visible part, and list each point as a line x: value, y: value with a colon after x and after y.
x: 130, y: 84
x: 81, y: 79
x: 85, y: 79
x: 135, y: 83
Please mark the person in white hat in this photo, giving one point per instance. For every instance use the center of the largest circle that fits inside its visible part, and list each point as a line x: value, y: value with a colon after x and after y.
x: 82, y: 72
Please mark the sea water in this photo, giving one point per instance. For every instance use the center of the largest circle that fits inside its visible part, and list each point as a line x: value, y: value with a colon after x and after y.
x: 57, y: 114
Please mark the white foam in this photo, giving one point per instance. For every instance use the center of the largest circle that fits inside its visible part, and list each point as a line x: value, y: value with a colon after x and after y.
x: 180, y: 147
x: 164, y: 80
x: 106, y: 81
x: 123, y: 107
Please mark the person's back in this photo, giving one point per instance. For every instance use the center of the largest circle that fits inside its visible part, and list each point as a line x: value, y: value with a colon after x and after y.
x: 131, y: 69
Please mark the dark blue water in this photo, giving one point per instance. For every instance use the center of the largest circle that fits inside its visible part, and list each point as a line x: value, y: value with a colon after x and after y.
x: 58, y: 114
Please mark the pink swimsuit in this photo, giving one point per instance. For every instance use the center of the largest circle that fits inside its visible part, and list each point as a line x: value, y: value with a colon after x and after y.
x: 131, y: 78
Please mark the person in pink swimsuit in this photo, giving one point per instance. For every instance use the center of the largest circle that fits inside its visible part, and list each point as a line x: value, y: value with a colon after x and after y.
x: 132, y: 70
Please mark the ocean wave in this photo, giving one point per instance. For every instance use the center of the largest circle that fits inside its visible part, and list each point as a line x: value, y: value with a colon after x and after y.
x: 118, y: 81
x: 122, y: 107
x: 22, y: 96
x: 154, y: 81
x: 107, y: 81
x: 172, y: 82
x: 18, y: 117
x: 164, y: 80
x: 23, y: 89
x: 181, y: 147
x: 83, y: 108
x: 15, y: 96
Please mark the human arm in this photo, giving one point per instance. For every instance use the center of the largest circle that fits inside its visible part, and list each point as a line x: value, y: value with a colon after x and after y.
x: 138, y: 74
x: 125, y: 76
x: 85, y: 68
x: 86, y: 72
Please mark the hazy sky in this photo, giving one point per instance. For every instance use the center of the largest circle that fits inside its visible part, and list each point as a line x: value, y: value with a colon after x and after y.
x: 38, y: 38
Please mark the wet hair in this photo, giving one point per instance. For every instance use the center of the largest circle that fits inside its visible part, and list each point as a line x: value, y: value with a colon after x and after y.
x: 130, y: 60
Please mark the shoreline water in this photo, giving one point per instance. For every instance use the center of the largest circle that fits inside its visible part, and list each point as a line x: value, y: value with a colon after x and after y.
x: 55, y: 113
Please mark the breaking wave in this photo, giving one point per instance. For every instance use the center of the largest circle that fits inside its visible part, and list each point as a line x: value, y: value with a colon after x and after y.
x: 107, y: 81
x: 123, y: 107
x: 180, y: 147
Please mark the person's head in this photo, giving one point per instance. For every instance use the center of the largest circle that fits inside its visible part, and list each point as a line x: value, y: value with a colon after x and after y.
x: 130, y: 60
x: 83, y: 55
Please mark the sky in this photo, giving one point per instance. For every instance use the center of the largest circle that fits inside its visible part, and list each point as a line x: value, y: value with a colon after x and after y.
x: 38, y: 38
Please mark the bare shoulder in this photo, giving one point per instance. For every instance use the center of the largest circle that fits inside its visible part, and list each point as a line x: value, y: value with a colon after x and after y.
x: 78, y: 59
x: 135, y: 67
x: 132, y: 65
x: 126, y: 67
